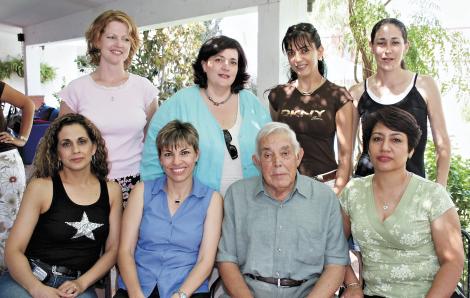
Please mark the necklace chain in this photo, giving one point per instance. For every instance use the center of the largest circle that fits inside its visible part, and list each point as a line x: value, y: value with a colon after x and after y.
x: 217, y: 103
x: 386, y: 205
x: 307, y: 93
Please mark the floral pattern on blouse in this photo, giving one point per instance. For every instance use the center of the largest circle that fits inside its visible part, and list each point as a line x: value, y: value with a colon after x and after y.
x: 398, y: 254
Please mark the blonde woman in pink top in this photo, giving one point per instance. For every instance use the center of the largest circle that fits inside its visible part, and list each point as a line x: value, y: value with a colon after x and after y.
x: 119, y: 103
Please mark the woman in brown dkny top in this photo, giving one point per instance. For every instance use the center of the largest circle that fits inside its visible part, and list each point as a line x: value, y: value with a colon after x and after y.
x: 315, y: 108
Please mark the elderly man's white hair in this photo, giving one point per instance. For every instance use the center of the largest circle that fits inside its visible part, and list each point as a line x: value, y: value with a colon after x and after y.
x: 276, y: 128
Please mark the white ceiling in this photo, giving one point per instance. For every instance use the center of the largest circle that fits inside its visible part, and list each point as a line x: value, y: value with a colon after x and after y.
x: 23, y: 13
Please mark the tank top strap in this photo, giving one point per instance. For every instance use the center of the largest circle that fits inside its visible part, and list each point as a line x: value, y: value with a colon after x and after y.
x: 416, y: 77
x: 104, y: 195
x: 365, y: 85
x: 58, y: 190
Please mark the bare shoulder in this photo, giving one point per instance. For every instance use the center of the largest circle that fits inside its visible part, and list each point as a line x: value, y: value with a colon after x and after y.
x: 40, y: 185
x: 356, y: 91
x: 428, y: 88
x: 39, y: 193
x: 425, y: 81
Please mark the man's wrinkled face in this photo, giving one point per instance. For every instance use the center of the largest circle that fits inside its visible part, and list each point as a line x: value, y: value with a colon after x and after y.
x: 278, y: 163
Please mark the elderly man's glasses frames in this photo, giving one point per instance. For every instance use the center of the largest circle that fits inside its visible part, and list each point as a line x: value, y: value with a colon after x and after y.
x: 232, y: 150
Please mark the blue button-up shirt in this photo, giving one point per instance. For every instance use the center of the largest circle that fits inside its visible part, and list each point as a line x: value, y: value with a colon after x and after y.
x: 168, y: 246
x: 293, y: 239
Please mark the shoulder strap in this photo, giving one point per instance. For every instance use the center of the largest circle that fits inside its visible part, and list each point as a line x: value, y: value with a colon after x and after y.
x: 416, y: 77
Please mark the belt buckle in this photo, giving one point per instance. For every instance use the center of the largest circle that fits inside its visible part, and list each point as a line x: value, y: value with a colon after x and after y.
x: 54, y: 270
x: 320, y: 177
x: 279, y: 283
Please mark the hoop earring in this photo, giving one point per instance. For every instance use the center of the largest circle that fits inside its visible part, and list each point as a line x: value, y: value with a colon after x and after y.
x: 59, y: 165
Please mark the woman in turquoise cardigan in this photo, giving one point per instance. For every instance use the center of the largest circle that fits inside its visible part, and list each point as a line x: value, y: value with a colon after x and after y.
x: 226, y: 116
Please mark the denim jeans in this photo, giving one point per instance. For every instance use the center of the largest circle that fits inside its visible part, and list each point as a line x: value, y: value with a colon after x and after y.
x: 9, y: 288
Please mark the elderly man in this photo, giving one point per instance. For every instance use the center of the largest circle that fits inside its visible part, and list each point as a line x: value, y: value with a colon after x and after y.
x: 282, y: 234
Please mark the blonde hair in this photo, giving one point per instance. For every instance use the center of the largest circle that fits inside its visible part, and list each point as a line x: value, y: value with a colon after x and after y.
x: 96, y: 29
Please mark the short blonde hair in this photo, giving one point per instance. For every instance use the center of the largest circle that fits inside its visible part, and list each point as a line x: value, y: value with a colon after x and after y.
x: 96, y: 29
x: 176, y: 132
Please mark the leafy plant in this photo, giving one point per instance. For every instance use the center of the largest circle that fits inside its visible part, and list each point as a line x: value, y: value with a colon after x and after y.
x: 458, y: 183
x: 16, y: 66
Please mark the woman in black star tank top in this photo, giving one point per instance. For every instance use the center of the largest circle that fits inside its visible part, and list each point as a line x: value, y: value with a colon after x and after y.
x: 393, y: 85
x: 66, y: 234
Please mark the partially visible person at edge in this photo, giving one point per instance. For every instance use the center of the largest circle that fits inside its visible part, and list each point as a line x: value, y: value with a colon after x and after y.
x: 12, y: 180
x: 226, y: 116
x: 119, y: 103
x: 393, y: 85
x: 315, y: 108
x: 176, y: 259
x: 407, y: 227
x: 282, y: 234
x: 66, y: 235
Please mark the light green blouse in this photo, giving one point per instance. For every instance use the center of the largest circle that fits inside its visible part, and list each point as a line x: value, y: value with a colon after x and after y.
x: 398, y: 254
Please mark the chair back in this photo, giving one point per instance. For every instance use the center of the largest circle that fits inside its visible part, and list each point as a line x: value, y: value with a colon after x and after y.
x: 464, y: 284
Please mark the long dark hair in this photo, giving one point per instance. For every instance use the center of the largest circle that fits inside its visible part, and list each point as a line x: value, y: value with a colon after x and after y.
x: 301, y: 35
x: 397, y: 23
x: 212, y: 47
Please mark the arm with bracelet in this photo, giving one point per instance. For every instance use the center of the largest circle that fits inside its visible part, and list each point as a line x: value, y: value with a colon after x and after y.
x: 19, y: 100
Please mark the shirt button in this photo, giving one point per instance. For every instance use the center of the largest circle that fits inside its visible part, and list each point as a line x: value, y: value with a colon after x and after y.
x: 280, y: 227
x: 279, y: 250
x: 277, y: 274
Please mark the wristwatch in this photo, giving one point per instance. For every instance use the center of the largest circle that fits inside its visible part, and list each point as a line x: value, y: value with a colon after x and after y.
x: 182, y: 294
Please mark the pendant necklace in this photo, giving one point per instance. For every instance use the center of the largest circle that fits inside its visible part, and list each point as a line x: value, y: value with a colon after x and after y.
x: 217, y: 103
x: 386, y: 204
x: 385, y: 207
x: 308, y: 93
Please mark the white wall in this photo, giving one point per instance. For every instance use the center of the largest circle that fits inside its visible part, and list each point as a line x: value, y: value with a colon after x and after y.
x: 11, y: 48
x: 61, y: 56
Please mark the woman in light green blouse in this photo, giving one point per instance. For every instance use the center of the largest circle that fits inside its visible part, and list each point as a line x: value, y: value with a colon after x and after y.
x: 407, y: 227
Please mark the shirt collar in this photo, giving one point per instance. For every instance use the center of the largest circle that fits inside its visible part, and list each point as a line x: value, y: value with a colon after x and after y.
x: 301, y: 187
x: 197, y: 190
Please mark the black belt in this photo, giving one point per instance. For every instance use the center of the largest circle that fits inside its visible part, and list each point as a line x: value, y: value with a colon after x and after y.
x: 325, y: 177
x: 280, y: 282
x: 54, y: 270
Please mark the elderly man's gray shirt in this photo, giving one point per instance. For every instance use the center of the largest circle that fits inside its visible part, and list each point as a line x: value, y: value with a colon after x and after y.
x: 293, y: 239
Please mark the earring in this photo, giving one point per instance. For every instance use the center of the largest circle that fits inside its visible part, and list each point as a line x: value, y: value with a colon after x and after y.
x: 59, y: 165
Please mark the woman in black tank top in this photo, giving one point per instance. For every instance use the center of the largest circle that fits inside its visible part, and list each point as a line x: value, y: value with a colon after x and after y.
x: 66, y: 235
x: 393, y: 85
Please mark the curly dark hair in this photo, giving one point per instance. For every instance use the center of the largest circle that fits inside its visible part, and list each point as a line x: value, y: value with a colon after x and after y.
x: 212, y: 47
x: 46, y: 161
x: 301, y: 35
x: 96, y: 29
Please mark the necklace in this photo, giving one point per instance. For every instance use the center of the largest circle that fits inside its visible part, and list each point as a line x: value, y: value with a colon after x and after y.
x: 385, y: 204
x: 217, y: 103
x: 307, y: 93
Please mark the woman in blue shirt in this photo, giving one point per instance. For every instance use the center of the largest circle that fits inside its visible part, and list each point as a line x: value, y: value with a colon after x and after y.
x: 171, y: 226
